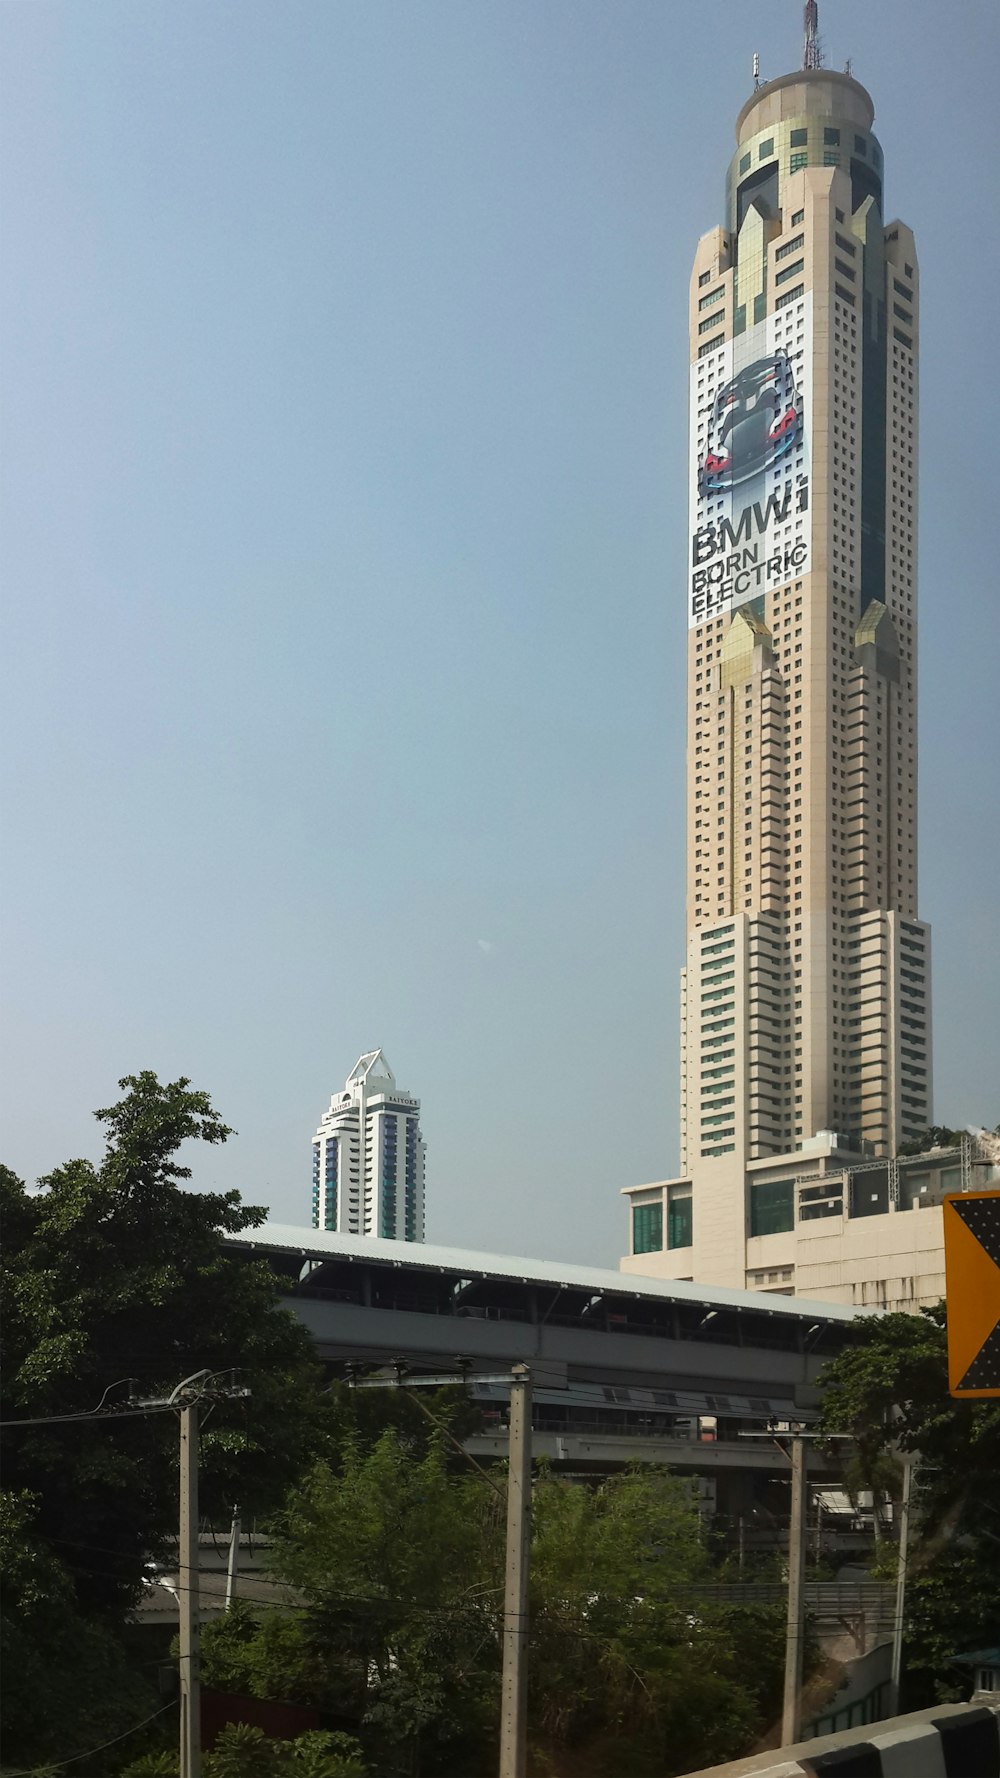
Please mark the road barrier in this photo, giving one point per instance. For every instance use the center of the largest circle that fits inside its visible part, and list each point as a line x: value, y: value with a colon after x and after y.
x: 951, y: 1741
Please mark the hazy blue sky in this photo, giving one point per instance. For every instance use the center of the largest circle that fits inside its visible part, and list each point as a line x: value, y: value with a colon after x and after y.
x: 344, y: 406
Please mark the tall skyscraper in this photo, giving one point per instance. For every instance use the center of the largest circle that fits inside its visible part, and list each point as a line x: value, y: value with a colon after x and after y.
x: 805, y: 998
x: 368, y: 1157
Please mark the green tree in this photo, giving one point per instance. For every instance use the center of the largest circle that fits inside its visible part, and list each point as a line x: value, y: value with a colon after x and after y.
x: 242, y: 1751
x: 631, y: 1668
x: 938, y: 1136
x: 400, y: 1562
x: 117, y: 1272
x: 889, y: 1389
x: 66, y: 1683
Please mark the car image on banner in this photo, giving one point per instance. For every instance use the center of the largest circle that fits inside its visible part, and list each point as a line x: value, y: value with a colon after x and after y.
x: 756, y: 418
x: 750, y: 418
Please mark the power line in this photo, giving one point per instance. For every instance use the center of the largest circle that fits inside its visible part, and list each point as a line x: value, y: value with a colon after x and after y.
x: 59, y: 1764
x: 197, y: 1386
x: 91, y: 1416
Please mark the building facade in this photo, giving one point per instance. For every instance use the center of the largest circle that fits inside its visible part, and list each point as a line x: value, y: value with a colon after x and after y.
x: 805, y: 996
x: 369, y: 1157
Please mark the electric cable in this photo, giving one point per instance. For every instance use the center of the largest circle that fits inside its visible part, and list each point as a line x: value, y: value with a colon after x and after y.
x: 88, y: 1753
x: 90, y: 1417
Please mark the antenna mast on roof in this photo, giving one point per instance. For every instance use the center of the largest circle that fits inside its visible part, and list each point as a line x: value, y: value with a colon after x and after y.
x: 756, y: 70
x: 812, y: 52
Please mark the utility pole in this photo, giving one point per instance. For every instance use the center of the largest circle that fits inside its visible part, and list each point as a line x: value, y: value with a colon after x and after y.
x: 234, y: 1558
x: 187, y: 1398
x: 187, y: 1602
x: 514, y: 1691
x: 904, y: 1550
x: 795, y: 1624
x: 796, y: 1567
x: 201, y: 1386
x: 514, y: 1682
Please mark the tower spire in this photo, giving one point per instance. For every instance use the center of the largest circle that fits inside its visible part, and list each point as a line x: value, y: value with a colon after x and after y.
x: 812, y: 52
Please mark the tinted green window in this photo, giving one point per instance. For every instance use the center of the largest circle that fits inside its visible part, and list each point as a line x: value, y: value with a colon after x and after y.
x: 798, y: 161
x: 831, y: 137
x: 765, y: 149
x: 680, y: 1223
x: 647, y: 1228
x: 772, y: 1208
x: 799, y: 138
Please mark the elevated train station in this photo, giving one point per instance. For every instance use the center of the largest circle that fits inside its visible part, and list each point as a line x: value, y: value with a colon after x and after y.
x: 625, y: 1368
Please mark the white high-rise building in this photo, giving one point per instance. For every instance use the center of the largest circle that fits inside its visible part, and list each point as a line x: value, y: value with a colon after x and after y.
x: 368, y: 1157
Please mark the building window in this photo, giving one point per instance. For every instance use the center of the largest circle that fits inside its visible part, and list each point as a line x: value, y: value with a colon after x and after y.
x: 800, y: 216
x: 744, y: 163
x: 799, y: 138
x: 703, y: 278
x: 647, y: 1228
x: 765, y: 149
x: 680, y: 1222
x: 831, y: 137
x: 798, y: 161
x: 772, y: 1207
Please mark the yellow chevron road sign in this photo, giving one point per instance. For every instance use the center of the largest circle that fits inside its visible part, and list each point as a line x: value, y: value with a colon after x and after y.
x: 972, y: 1271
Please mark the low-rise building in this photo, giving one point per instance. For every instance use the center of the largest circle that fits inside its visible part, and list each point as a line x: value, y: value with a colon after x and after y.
x: 824, y: 1222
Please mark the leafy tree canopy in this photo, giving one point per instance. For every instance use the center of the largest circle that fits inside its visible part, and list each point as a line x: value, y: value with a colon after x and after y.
x: 938, y: 1136
x: 889, y: 1389
x: 399, y: 1561
x: 117, y: 1278
x: 242, y: 1751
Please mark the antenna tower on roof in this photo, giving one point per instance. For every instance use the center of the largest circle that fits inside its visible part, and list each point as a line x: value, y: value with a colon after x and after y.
x: 812, y: 51
x: 756, y: 70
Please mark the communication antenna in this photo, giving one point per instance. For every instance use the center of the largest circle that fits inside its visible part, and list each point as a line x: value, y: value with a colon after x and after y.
x: 849, y: 66
x: 812, y: 52
x: 756, y: 70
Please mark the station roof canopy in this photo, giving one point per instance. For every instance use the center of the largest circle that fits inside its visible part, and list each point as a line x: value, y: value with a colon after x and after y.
x: 412, y: 1256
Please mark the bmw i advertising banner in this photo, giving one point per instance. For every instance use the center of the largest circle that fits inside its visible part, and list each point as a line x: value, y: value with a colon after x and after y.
x: 750, y: 419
